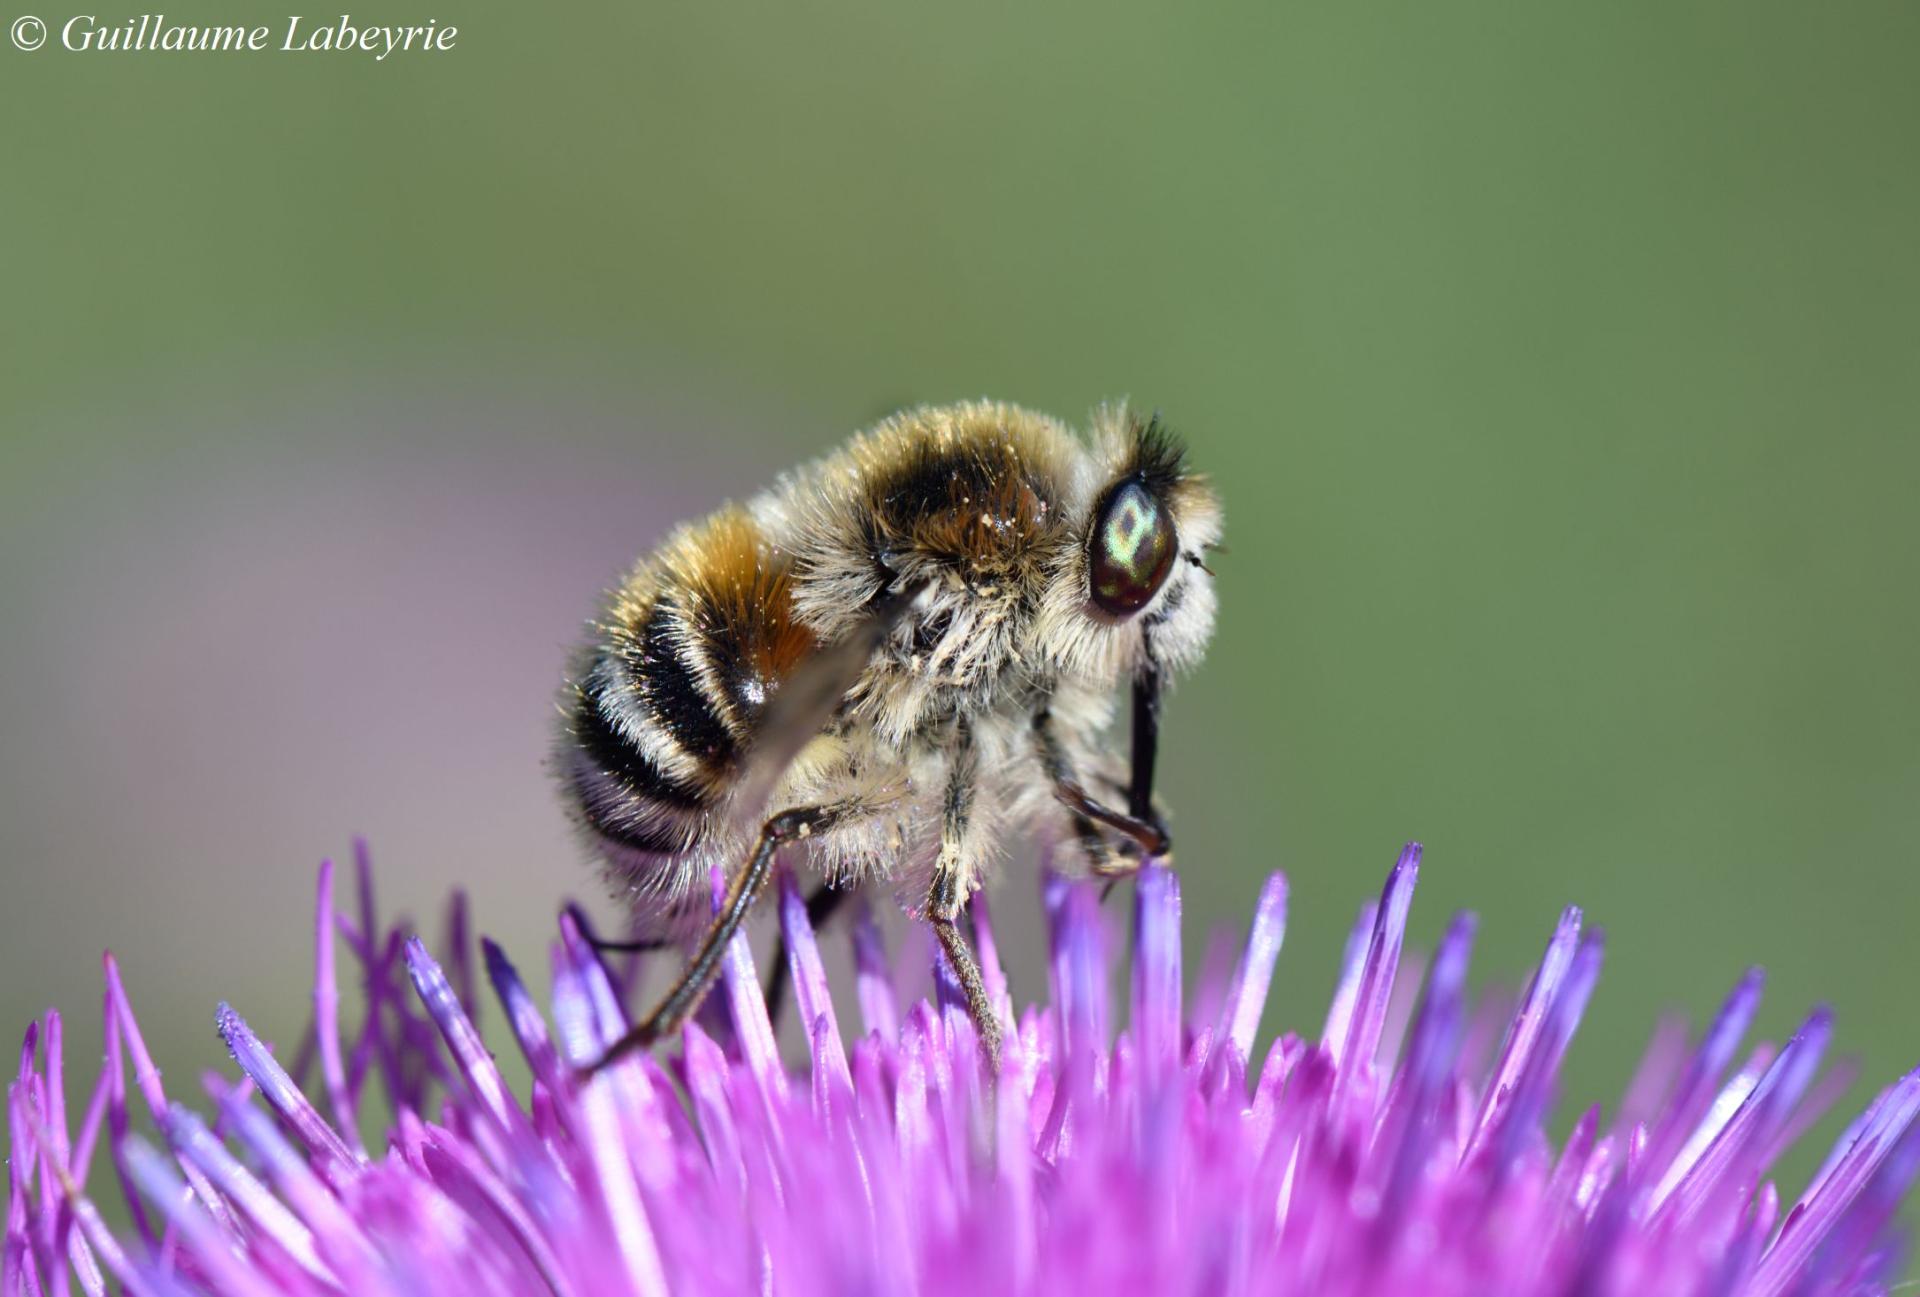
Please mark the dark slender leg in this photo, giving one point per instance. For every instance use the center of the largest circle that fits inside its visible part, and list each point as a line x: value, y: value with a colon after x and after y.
x: 1146, y: 747
x: 686, y: 993
x: 1149, y: 834
x: 637, y: 946
x: 1054, y: 762
x: 1146, y: 743
x: 821, y: 906
x: 943, y: 906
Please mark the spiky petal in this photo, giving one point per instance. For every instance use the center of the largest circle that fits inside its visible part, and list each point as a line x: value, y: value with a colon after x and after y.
x: 1385, y: 1159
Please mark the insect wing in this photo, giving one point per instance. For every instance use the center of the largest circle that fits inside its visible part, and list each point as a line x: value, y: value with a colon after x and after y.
x: 807, y: 699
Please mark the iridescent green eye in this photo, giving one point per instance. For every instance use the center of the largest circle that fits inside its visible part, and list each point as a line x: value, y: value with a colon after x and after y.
x: 1131, y: 549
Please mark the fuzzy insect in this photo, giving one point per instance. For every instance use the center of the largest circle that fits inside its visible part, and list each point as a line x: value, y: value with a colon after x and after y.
x: 884, y: 661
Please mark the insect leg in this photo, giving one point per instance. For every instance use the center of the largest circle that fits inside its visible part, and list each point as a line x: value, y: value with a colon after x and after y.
x: 1150, y: 834
x: 1146, y: 746
x: 639, y: 946
x: 1054, y: 762
x: 684, y: 996
x: 802, y: 706
x: 943, y: 909
x: 610, y: 946
x: 944, y: 901
x: 821, y: 906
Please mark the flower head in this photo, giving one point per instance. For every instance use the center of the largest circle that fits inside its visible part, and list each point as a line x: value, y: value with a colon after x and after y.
x: 1390, y: 1156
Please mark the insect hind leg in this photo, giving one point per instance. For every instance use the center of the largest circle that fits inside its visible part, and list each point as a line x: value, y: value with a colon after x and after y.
x: 691, y: 987
x: 800, y: 708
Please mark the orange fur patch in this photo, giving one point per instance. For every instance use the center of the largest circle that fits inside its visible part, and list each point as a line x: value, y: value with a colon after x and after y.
x: 739, y: 593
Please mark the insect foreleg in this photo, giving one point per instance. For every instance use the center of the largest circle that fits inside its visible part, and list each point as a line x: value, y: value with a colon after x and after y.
x: 1149, y: 834
x: 1146, y: 747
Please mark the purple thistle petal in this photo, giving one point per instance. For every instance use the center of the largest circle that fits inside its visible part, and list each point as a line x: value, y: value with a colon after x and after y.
x: 458, y: 958
x: 326, y: 1014
x: 1014, y: 1160
x: 376, y: 1044
x: 751, y: 1025
x: 1857, y: 1157
x: 1346, y: 993
x: 1528, y: 1022
x: 1654, y: 1075
x: 1143, y: 1162
x: 1734, y: 1150
x: 1401, y: 1002
x: 462, y: 1166
x: 363, y: 888
x: 612, y: 1176
x: 55, y: 1152
x: 147, y: 1077
x: 988, y: 951
x: 1079, y: 969
x: 1156, y: 967
x: 1381, y: 962
x: 17, y: 1255
x: 1358, y: 1044
x: 337, y: 1236
x: 208, y: 1242
x: 48, y: 1109
x: 706, y: 1080
x: 1826, y: 1092
x: 522, y: 1016
x: 1866, y: 1220
x: 810, y: 993
x: 91, y: 1238
x: 605, y: 1020
x: 279, y: 1090
x: 1410, y: 1125
x: 113, y: 1074
x: 948, y: 998
x: 1247, y: 996
x: 879, y: 1011
x: 1532, y: 1090
x: 588, y: 1020
x: 190, y: 1136
x: 469, y: 1052
x: 1699, y: 1082
x: 90, y: 1121
x: 628, y: 975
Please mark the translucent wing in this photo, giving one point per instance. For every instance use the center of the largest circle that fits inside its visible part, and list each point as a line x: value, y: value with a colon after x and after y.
x: 806, y: 701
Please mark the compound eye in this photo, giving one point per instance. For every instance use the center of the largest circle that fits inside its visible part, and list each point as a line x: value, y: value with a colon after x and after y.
x: 1131, y: 549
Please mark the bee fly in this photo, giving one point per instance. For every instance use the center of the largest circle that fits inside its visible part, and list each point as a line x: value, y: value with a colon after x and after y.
x: 883, y: 662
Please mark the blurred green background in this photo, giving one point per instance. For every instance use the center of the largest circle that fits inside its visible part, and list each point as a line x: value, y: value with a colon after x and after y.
x: 1558, y: 366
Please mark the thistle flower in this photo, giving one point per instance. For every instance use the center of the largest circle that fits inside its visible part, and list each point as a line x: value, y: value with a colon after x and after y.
x: 1392, y: 1155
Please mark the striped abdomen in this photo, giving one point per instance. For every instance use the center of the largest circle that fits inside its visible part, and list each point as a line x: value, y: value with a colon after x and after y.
x: 666, y: 699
